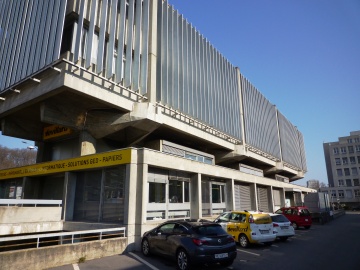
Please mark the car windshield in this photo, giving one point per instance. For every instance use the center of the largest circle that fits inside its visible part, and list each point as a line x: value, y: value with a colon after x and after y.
x: 209, y: 230
x: 279, y: 218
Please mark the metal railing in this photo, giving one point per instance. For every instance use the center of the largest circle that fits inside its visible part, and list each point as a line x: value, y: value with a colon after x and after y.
x: 22, y: 202
x: 60, y: 238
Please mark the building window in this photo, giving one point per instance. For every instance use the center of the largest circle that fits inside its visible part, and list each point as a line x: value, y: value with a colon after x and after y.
x: 356, y: 140
x: 341, y: 193
x: 336, y: 151
x: 356, y: 182
x: 358, y: 159
x: 354, y: 171
x: 347, y: 171
x: 357, y: 148
x: 339, y: 172
x: 341, y: 183
x: 349, y: 193
x: 349, y: 140
x: 352, y: 160
x: 178, y: 191
x: 357, y: 192
x: 156, y: 192
x: 343, y: 150
x: 348, y: 182
x: 333, y: 193
x: 337, y: 161
x: 218, y: 193
x: 345, y: 160
x: 351, y: 149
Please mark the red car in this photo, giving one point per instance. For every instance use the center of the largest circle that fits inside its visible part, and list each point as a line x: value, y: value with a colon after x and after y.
x: 299, y: 216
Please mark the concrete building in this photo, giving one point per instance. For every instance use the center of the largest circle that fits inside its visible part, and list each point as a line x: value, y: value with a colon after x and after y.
x: 137, y: 119
x: 342, y: 160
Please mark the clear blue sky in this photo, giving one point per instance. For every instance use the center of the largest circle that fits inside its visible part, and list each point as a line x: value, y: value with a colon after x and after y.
x: 303, y: 55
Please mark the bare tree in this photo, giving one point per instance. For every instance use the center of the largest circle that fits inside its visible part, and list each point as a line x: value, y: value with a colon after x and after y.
x: 10, y: 158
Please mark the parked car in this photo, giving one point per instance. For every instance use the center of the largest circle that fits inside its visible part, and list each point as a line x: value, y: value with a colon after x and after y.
x: 299, y: 216
x: 248, y: 227
x: 356, y: 208
x: 190, y: 243
x: 282, y: 226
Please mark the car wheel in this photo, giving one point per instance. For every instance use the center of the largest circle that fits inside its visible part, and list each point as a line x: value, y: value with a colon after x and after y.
x: 295, y: 226
x: 307, y: 227
x: 268, y: 243
x: 283, y: 238
x: 145, y: 247
x: 183, y: 260
x: 243, y: 240
x: 226, y: 263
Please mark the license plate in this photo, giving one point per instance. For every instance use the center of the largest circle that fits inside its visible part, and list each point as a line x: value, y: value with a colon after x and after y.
x: 306, y: 219
x: 264, y: 231
x: 221, y: 255
x: 284, y: 227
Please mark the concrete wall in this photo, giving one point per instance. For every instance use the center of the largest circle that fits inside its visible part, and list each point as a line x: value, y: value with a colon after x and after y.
x: 19, y: 220
x: 47, y: 257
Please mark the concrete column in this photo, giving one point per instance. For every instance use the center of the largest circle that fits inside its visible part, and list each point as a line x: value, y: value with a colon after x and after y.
x: 243, y: 137
x: 69, y: 196
x: 271, y: 199
x: 131, y: 205
x: 195, y: 198
x: 254, y: 195
x: 87, y: 144
x: 230, y: 198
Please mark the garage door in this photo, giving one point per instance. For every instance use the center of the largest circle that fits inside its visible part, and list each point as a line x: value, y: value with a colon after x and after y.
x: 263, y: 202
x: 242, y: 197
x: 277, y: 199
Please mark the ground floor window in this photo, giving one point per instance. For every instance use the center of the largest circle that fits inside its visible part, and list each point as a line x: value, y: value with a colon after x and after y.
x: 169, y: 194
x: 99, y: 195
x: 11, y: 189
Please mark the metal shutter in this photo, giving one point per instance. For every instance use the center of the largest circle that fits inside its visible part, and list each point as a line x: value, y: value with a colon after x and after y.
x: 263, y: 202
x: 277, y: 199
x: 245, y: 197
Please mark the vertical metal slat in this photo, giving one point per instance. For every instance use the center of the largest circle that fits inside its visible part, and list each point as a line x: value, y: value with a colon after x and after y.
x: 121, y: 42
x: 111, y: 43
x: 79, y: 31
x: 137, y: 43
x: 144, y: 48
x: 101, y: 45
x: 129, y: 44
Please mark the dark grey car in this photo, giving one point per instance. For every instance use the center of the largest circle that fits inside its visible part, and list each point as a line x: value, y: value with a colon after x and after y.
x: 190, y: 243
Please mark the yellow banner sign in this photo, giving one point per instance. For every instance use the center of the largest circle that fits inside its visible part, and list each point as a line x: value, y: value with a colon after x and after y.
x: 81, y: 163
x: 55, y: 131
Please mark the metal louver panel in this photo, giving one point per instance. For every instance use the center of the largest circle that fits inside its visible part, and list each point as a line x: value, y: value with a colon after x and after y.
x: 237, y: 197
x: 260, y: 120
x: 173, y: 150
x: 193, y: 76
x: 292, y: 147
x: 277, y: 199
x: 263, y: 201
x: 245, y: 197
x: 30, y: 37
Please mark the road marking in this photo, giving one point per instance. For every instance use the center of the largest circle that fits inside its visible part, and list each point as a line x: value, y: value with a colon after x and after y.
x: 255, y: 254
x: 76, y: 266
x: 143, y: 261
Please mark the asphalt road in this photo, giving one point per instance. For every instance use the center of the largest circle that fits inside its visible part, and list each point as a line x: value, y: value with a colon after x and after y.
x: 334, y: 245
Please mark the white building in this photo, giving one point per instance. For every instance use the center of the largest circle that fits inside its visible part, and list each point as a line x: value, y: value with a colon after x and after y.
x: 137, y: 118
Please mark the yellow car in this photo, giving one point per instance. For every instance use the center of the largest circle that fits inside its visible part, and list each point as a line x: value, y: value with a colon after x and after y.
x: 248, y: 227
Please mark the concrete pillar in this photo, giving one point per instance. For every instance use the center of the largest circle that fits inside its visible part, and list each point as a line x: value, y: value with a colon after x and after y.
x: 195, y: 198
x: 230, y: 198
x: 271, y: 199
x: 69, y: 196
x: 254, y: 197
x: 87, y: 144
x: 131, y: 203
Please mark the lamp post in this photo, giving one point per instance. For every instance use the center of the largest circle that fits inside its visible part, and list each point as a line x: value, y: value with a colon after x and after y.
x: 30, y: 147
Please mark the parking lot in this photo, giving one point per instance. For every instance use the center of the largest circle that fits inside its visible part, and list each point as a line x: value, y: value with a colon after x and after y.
x: 334, y: 245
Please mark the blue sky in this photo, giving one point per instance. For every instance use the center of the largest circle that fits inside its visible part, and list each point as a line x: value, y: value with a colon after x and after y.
x: 303, y: 55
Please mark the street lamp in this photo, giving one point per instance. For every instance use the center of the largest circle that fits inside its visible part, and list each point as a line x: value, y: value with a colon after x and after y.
x: 30, y: 147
